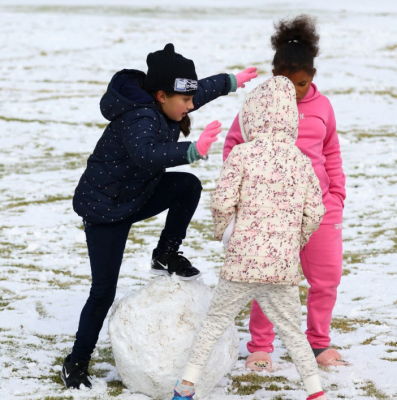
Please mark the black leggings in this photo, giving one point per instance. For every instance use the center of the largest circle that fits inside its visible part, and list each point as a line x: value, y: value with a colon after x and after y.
x: 177, y: 191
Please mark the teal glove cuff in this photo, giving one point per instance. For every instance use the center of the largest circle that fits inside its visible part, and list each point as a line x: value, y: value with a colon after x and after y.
x: 233, y: 83
x: 193, y: 154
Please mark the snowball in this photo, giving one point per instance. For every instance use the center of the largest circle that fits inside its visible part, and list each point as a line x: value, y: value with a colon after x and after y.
x: 151, y: 332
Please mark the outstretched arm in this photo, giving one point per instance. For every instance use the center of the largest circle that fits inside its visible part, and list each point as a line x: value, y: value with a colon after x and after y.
x: 220, y: 85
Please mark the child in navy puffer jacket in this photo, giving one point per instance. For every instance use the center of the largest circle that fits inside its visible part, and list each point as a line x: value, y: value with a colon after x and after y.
x: 126, y: 180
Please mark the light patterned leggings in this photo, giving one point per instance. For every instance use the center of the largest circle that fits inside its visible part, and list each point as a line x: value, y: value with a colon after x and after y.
x: 280, y: 303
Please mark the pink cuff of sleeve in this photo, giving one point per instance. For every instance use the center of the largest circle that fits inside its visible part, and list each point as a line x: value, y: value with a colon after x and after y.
x: 316, y: 396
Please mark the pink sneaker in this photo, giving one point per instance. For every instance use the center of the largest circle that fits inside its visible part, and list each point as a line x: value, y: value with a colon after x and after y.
x: 259, y: 361
x: 330, y: 357
x: 318, y: 396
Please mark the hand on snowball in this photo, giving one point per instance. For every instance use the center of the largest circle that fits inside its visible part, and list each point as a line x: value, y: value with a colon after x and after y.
x: 246, y: 76
x: 207, y: 137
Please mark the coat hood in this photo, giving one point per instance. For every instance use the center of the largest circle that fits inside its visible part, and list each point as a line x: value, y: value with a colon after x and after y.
x: 270, y: 112
x: 125, y: 93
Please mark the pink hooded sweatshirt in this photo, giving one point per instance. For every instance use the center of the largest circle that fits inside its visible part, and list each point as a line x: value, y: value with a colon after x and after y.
x: 318, y: 139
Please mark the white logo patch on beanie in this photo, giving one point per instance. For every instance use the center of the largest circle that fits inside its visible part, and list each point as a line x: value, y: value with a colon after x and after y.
x: 185, y: 85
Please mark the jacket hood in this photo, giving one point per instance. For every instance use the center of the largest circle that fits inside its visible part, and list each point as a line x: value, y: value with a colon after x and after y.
x: 270, y: 112
x: 125, y: 93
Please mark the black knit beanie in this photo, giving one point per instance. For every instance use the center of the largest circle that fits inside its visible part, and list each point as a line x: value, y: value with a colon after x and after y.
x: 171, y: 72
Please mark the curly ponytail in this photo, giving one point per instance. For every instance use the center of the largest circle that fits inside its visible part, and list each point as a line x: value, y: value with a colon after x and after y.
x: 296, y: 44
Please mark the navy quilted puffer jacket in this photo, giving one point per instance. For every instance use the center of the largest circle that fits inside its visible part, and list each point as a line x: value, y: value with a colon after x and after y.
x: 135, y: 149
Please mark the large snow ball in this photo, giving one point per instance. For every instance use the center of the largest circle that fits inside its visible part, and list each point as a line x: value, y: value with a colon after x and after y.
x: 151, y: 332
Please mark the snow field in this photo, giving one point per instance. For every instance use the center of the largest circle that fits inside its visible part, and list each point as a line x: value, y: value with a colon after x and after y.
x: 55, y: 63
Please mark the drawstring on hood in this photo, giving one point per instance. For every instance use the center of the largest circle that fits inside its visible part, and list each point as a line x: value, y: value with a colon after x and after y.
x: 270, y: 112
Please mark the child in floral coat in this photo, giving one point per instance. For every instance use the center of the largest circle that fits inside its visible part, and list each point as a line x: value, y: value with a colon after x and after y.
x: 269, y: 188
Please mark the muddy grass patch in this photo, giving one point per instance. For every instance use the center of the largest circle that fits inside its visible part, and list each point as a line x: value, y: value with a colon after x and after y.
x: 243, y: 315
x: 115, y: 388
x: 303, y: 292
x: 7, y: 249
x: 369, y: 340
x: 344, y: 324
x: 370, y: 390
x: 244, y: 385
x: 48, y: 199
x: 203, y: 228
x: 354, y: 258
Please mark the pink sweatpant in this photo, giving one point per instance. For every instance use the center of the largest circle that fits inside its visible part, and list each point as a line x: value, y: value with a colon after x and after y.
x: 321, y: 261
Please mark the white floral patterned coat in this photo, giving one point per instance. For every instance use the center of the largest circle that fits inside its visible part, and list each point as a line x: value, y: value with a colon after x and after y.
x: 272, y: 189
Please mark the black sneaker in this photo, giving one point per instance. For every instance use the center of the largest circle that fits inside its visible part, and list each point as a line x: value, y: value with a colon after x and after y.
x: 173, y: 262
x: 75, y: 373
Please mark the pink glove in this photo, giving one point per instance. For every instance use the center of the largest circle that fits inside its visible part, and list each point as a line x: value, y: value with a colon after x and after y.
x: 208, y: 137
x: 246, y: 76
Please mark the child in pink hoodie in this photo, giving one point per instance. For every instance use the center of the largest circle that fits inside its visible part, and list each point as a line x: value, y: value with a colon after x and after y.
x: 296, y: 45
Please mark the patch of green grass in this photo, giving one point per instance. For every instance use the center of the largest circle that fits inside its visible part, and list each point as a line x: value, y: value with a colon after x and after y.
x: 370, y: 390
x: 349, y: 325
x: 4, y: 303
x: 58, y: 97
x: 287, y: 358
x: 34, y: 268
x: 51, y: 377
x: 205, y: 228
x: 135, y: 236
x: 45, y: 122
x: 32, y: 346
x: 7, y: 249
x: 243, y: 315
x: 355, y: 258
x: 303, y: 292
x: 48, y: 199
x: 343, y: 325
x: 49, y: 338
x: 368, y: 341
x: 394, y: 344
x: 390, y: 48
x: 358, y: 298
x: 55, y: 376
x: 99, y: 373
x: 244, y: 385
x: 346, y: 271
x: 236, y: 66
x: 63, y: 285
x: 115, y: 388
x: 105, y: 354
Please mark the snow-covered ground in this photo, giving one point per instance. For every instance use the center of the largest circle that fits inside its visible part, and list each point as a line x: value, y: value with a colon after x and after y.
x: 55, y: 62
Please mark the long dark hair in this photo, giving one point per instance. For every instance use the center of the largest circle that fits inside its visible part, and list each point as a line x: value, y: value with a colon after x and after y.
x: 184, y: 123
x: 296, y: 44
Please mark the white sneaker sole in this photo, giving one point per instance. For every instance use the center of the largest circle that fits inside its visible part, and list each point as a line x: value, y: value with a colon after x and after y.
x: 182, y: 278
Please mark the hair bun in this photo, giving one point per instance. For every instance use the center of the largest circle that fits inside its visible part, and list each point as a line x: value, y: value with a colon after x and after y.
x: 301, y: 29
